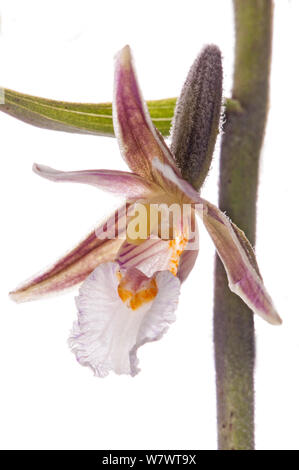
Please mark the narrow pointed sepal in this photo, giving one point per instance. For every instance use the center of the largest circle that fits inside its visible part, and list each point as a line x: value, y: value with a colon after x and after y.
x: 197, y: 115
x: 138, y: 139
x: 239, y: 262
x: 120, y: 183
x: 100, y: 246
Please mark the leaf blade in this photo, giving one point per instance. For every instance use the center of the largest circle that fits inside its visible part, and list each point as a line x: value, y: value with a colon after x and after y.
x: 83, y: 118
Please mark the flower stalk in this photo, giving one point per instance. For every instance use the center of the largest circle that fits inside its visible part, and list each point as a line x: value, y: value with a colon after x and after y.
x: 239, y: 164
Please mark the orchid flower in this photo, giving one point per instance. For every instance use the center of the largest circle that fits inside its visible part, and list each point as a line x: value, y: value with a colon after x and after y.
x: 132, y: 283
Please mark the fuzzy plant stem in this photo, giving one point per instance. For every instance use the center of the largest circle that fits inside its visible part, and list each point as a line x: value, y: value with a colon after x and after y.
x: 239, y: 165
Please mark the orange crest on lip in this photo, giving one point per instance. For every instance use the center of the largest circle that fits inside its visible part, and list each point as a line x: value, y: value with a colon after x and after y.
x: 135, y: 300
x: 177, y: 247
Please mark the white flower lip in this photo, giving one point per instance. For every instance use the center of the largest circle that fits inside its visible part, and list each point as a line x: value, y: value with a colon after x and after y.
x: 108, y: 333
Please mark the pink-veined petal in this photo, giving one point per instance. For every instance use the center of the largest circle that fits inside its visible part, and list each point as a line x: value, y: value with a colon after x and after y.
x: 122, y: 183
x: 138, y: 139
x: 240, y: 263
x: 108, y: 331
x: 99, y: 246
x: 156, y: 254
x: 150, y: 256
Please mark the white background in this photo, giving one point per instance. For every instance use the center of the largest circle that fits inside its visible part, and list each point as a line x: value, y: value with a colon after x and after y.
x: 64, y: 50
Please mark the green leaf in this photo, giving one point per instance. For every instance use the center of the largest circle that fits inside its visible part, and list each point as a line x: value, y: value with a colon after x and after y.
x: 82, y: 118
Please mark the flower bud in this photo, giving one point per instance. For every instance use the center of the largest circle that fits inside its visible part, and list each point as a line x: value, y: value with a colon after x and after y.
x: 197, y: 114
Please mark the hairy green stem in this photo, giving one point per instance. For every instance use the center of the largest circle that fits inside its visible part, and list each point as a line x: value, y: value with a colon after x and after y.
x: 239, y: 165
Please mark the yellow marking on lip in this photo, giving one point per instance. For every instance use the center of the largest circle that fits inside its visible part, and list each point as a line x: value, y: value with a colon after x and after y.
x: 136, y: 300
x: 177, y: 247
